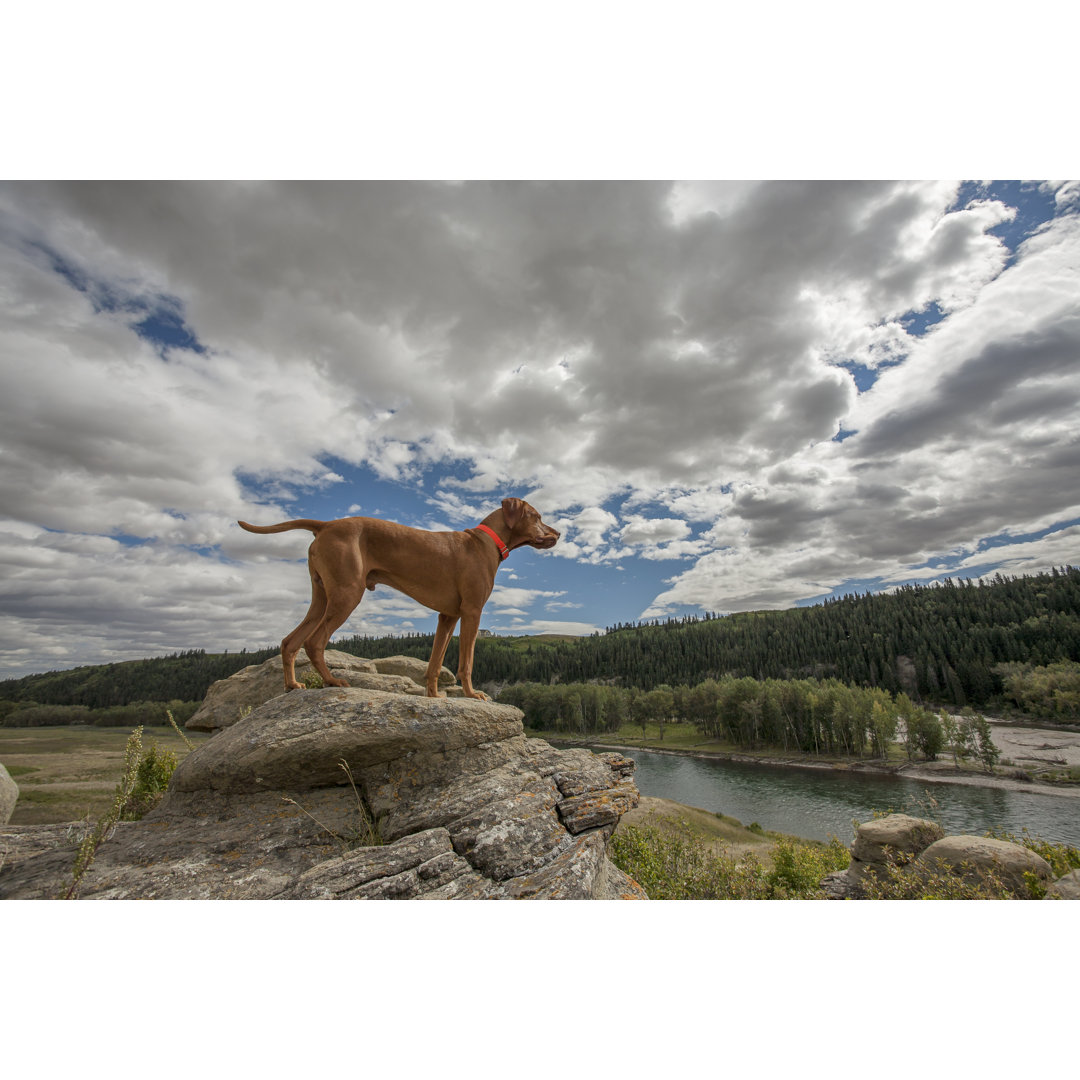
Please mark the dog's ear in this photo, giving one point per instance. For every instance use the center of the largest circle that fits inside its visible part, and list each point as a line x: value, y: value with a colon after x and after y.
x: 511, y: 509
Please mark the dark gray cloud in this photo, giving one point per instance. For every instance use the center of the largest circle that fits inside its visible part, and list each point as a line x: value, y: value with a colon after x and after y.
x: 636, y: 354
x: 1026, y: 378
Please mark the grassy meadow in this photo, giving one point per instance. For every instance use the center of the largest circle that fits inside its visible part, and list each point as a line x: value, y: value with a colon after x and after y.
x: 67, y: 773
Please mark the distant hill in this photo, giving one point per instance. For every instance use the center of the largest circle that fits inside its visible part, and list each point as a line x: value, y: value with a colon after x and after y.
x: 941, y: 642
x: 183, y: 676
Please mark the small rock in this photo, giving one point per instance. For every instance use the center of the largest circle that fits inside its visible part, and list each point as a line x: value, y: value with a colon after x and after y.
x: 840, y: 885
x: 9, y: 795
x: 1065, y: 888
x: 411, y: 668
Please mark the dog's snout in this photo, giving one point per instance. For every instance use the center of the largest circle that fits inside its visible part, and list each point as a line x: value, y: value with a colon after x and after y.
x: 549, y: 537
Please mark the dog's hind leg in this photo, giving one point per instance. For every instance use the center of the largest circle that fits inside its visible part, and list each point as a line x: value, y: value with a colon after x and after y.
x: 291, y: 644
x: 341, y: 603
x: 336, y: 561
x: 438, y: 651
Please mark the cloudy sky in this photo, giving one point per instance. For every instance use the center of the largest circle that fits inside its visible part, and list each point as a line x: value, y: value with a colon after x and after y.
x: 727, y: 396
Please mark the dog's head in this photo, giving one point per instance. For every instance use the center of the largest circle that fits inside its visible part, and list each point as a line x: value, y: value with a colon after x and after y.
x: 525, y: 525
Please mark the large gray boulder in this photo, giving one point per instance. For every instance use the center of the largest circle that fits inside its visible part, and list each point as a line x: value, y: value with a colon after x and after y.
x: 972, y: 856
x: 278, y: 806
x: 229, y: 700
x: 9, y: 795
x: 879, y: 844
x: 894, y: 840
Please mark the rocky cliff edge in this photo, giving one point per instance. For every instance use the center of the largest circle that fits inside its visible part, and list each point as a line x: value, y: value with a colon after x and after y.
x: 278, y: 806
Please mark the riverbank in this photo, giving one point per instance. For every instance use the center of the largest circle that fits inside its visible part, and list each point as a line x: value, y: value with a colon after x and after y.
x: 1024, y: 747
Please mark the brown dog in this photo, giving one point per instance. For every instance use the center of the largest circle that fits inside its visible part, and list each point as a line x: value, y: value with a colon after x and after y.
x: 452, y: 573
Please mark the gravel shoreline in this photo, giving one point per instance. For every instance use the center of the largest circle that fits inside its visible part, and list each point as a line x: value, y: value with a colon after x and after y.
x: 1024, y: 746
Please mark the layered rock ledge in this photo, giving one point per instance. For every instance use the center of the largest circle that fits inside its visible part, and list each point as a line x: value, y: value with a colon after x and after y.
x: 276, y: 806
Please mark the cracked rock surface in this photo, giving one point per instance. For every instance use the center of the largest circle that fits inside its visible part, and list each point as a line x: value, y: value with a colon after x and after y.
x: 466, y: 807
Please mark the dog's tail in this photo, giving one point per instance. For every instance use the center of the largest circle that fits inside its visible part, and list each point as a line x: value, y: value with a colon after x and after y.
x: 285, y: 526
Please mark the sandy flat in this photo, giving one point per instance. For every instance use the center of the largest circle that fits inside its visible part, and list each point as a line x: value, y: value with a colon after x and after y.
x: 1037, y: 746
x: 1028, y: 748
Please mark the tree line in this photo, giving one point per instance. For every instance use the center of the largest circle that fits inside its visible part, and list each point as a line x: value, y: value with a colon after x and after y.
x: 1051, y: 692
x: 811, y: 716
x: 807, y: 715
x: 960, y: 643
x: 149, y: 713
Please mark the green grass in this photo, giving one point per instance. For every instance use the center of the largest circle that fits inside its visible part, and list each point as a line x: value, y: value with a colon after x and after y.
x: 20, y: 770
x: 705, y: 825
x: 524, y: 643
x: 39, y: 797
x: 675, y: 737
x: 67, y: 773
x: 673, y: 861
x: 678, y: 852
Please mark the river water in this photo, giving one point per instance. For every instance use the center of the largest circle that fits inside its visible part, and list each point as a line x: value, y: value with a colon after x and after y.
x: 819, y: 803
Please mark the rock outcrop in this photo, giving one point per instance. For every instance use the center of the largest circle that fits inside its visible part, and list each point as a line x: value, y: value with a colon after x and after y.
x: 229, y: 700
x: 900, y: 840
x: 9, y: 795
x: 278, y: 806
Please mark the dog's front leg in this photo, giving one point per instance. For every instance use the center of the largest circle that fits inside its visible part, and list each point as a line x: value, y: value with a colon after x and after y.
x: 470, y: 624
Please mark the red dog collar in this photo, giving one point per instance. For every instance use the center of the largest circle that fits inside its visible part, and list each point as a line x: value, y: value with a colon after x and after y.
x: 504, y: 551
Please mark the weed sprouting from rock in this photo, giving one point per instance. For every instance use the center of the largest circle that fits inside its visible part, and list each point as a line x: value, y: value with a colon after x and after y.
x: 143, y: 781
x: 176, y: 727
x: 107, y: 822
x: 152, y: 776
x: 365, y: 833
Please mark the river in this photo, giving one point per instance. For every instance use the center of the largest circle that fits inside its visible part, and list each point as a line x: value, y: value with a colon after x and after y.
x: 819, y: 803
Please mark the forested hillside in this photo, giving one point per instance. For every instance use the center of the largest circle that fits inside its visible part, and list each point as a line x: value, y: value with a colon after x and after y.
x: 942, y: 643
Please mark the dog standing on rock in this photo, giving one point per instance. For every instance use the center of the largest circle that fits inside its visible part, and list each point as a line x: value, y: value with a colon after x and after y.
x: 452, y: 573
